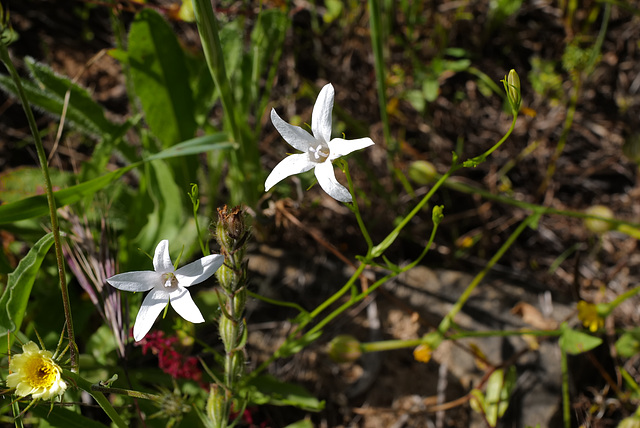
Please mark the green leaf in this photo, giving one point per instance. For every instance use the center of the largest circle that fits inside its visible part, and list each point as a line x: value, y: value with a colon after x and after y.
x: 269, y: 390
x: 64, y: 418
x: 17, y: 183
x: 303, y: 423
x: 82, y: 112
x: 36, y: 206
x: 160, y: 78
x: 628, y: 344
x: 498, y: 393
x: 82, y: 108
x: 13, y: 302
x: 576, y: 342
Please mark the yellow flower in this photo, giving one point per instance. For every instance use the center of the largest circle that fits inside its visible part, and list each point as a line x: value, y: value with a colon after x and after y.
x: 35, y: 372
x: 588, y: 314
x: 422, y: 353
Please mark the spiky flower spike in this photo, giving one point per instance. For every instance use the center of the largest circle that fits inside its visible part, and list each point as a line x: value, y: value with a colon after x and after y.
x: 231, y: 233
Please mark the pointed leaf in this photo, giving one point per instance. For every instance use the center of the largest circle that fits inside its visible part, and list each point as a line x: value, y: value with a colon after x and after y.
x: 82, y: 109
x: 13, y: 302
x: 160, y: 78
x: 576, y: 342
x: 36, y: 206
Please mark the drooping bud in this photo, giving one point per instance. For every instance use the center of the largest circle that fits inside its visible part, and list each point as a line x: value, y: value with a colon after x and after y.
x: 423, y: 172
x: 595, y: 225
x: 344, y: 349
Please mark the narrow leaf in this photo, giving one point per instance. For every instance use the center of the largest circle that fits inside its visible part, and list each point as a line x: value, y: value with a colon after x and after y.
x: 13, y: 302
x: 36, y: 206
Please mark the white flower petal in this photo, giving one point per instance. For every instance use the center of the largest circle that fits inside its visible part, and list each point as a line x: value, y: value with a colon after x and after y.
x: 198, y: 271
x: 291, y: 165
x: 152, y: 305
x: 161, y: 258
x: 135, y: 281
x: 327, y: 180
x: 297, y: 137
x: 185, y: 306
x: 321, y: 116
x: 340, y: 147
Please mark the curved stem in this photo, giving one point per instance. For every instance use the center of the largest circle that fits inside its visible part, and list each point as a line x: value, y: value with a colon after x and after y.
x: 85, y: 385
x: 42, y: 157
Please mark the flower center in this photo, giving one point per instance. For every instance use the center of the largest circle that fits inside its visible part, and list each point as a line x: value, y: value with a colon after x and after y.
x: 319, y: 153
x: 169, y: 280
x: 41, y: 373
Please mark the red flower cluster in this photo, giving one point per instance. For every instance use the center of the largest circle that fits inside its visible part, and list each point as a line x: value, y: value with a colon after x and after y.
x: 170, y: 360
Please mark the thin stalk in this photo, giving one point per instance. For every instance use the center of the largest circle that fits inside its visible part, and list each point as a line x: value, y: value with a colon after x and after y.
x: 245, y: 161
x: 85, y: 385
x: 356, y: 210
x: 566, y: 405
x: 375, y: 24
x: 448, y: 319
x: 42, y: 157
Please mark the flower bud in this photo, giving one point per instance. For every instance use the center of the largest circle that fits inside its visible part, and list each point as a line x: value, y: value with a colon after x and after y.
x: 598, y: 226
x: 512, y: 88
x: 422, y: 353
x: 344, y: 349
x: 423, y: 172
x: 216, y: 406
x: 228, y: 330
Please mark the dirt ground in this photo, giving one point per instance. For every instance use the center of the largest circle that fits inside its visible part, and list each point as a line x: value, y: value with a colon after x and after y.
x: 560, y: 260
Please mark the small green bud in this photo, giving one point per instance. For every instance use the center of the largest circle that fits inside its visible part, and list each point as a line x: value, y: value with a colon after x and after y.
x: 216, y: 405
x: 423, y: 172
x: 598, y: 226
x: 344, y: 349
x: 228, y: 330
x: 237, y: 364
x: 512, y: 88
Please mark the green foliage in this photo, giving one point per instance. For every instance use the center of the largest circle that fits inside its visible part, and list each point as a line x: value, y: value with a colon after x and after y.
x: 544, y: 78
x: 268, y: 390
x: 628, y: 344
x: 14, y: 299
x: 57, y: 416
x: 36, y: 206
x: 48, y: 91
x: 575, y: 342
x: 160, y: 78
x: 495, y: 401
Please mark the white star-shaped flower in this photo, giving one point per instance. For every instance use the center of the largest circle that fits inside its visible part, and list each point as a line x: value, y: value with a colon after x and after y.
x: 167, y: 285
x: 318, y: 150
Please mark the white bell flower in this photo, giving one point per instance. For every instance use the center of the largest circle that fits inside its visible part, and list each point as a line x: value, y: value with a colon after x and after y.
x: 318, y: 150
x: 167, y: 285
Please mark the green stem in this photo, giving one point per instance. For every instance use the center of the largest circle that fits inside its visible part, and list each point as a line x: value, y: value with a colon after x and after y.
x: 623, y: 226
x: 375, y: 23
x: 85, y: 385
x: 448, y: 319
x: 17, y: 416
x: 42, y: 157
x: 126, y: 392
x: 356, y: 210
x: 244, y: 161
x: 624, y: 296
x: 566, y: 405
